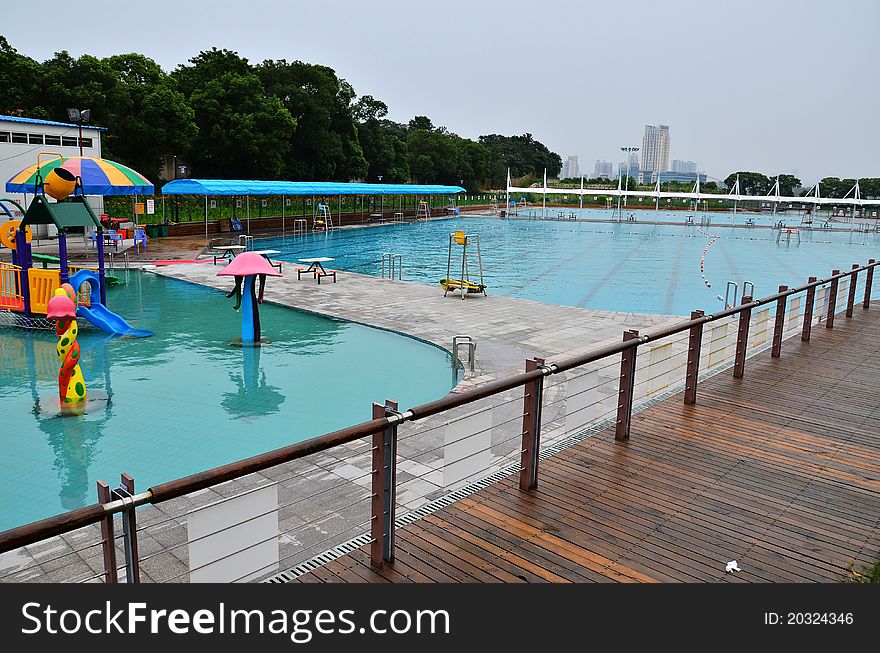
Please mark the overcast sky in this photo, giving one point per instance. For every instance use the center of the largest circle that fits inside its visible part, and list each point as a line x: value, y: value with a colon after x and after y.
x: 767, y: 85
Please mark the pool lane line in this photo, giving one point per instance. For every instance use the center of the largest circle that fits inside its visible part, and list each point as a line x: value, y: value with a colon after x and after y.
x: 713, y: 239
x: 673, y: 278
x: 553, y: 266
x: 598, y: 285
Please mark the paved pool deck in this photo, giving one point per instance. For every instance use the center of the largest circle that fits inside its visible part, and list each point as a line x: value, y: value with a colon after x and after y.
x: 507, y: 330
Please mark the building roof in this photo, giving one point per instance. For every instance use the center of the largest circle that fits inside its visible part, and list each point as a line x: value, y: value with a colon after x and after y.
x: 255, y: 187
x: 52, y: 123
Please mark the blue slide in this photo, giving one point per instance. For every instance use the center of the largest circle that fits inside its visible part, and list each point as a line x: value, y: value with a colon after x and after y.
x: 98, y: 314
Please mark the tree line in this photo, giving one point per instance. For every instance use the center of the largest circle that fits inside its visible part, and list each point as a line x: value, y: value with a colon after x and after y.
x: 274, y: 120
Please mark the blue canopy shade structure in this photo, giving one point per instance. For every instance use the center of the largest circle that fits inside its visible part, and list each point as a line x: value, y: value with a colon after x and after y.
x: 253, y: 187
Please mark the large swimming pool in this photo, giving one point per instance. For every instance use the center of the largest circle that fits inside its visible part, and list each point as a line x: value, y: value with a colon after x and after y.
x: 619, y: 266
x: 185, y: 400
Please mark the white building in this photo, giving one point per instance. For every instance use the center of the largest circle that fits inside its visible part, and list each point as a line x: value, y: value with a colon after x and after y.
x: 21, y: 139
x: 686, y: 167
x: 570, y: 168
x: 602, y: 169
x: 655, y: 151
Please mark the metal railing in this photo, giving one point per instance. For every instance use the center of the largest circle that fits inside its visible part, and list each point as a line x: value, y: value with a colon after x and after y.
x: 589, y: 387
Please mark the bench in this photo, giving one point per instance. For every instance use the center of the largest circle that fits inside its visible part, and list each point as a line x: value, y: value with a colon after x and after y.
x: 316, y: 274
x: 327, y: 273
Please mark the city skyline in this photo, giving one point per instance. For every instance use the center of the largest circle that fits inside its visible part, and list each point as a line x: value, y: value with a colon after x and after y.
x: 716, y: 119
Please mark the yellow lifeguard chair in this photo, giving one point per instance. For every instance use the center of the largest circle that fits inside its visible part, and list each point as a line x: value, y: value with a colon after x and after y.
x: 464, y: 282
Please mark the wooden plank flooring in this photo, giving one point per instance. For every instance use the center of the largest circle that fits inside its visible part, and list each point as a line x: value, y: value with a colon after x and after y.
x: 779, y: 470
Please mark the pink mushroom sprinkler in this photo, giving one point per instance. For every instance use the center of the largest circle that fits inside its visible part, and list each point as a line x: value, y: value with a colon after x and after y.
x: 245, y: 268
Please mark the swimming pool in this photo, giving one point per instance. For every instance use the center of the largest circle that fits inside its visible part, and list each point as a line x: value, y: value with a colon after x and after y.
x: 184, y: 400
x: 620, y: 266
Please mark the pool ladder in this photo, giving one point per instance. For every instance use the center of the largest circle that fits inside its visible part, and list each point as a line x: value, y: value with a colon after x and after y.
x: 395, y: 265
x: 748, y: 289
x: 471, y: 345
x: 246, y: 241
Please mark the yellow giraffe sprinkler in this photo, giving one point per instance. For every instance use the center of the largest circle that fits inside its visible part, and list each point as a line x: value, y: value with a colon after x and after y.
x: 71, y: 384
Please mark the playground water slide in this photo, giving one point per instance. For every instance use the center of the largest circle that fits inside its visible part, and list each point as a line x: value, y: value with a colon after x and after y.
x: 98, y: 314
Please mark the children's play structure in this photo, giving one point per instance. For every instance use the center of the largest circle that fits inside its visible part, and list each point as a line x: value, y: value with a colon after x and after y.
x: 71, y: 383
x: 464, y: 282
x: 25, y: 290
x: 246, y: 267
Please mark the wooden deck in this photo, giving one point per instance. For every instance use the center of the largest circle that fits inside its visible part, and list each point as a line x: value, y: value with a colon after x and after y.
x: 779, y: 471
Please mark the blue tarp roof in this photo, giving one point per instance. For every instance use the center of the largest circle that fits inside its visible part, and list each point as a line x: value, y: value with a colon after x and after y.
x: 250, y: 187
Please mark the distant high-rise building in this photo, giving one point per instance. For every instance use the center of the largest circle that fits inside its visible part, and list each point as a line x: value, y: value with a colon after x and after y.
x: 603, y: 169
x: 570, y: 168
x: 686, y: 167
x: 631, y: 166
x: 655, y: 150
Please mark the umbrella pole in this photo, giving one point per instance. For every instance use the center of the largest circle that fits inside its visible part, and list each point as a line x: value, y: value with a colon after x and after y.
x: 249, y: 213
x: 206, y: 219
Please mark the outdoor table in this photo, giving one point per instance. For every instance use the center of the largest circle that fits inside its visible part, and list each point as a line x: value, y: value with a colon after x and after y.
x: 266, y: 253
x: 316, y: 268
x: 229, y: 251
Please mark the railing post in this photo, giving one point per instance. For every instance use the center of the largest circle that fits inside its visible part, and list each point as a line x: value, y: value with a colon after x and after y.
x: 742, y: 339
x: 832, y: 301
x: 779, y: 325
x: 108, y: 544
x: 808, y: 311
x: 627, y: 383
x: 695, y: 341
x: 531, y: 433
x: 129, y: 530
x: 851, y: 300
x: 868, y: 281
x: 384, y: 488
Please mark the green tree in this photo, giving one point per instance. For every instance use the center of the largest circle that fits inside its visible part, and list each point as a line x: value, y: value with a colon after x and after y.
x: 421, y: 123
x: 869, y: 187
x: 325, y: 144
x: 750, y: 183
x: 152, y: 117
x: 243, y: 131
x: 382, y: 141
x: 834, y: 187
x: 438, y: 156
x: 522, y: 154
x: 20, y: 79
x: 788, y: 184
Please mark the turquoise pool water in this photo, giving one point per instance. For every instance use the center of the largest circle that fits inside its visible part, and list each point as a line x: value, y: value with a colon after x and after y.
x: 184, y: 400
x: 623, y: 266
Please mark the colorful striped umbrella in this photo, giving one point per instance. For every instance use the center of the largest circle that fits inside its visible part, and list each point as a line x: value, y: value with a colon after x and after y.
x: 99, y: 176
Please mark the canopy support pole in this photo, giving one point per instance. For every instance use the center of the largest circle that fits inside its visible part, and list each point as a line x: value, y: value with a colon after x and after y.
x: 99, y: 241
x: 283, y: 199
x: 249, y: 213
x: 206, y: 219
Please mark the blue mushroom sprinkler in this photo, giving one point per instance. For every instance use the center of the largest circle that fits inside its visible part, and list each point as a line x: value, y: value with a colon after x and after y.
x: 246, y: 267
